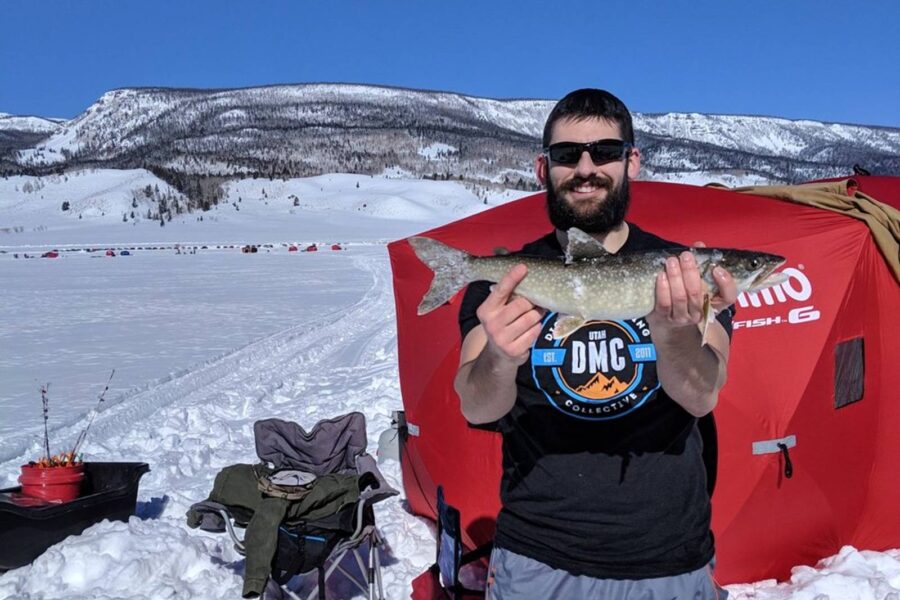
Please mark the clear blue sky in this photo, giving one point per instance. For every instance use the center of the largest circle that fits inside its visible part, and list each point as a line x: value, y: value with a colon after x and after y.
x: 819, y: 59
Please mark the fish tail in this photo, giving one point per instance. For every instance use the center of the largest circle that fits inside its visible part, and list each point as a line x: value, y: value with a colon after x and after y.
x: 450, y: 267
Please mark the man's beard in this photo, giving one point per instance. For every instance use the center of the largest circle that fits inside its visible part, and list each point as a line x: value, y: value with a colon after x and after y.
x: 605, y: 217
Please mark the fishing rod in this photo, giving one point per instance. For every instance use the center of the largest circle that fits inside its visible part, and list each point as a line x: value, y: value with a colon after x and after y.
x: 93, y: 414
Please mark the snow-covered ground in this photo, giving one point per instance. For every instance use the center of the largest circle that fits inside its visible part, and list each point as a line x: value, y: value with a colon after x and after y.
x: 206, y: 343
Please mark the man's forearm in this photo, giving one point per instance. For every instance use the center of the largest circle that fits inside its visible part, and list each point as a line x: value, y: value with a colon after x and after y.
x: 691, y: 374
x: 486, y: 387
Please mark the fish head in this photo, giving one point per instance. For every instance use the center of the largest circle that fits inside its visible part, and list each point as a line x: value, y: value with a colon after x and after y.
x: 751, y: 270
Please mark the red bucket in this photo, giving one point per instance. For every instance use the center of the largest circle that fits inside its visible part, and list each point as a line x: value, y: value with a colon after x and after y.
x: 54, y: 484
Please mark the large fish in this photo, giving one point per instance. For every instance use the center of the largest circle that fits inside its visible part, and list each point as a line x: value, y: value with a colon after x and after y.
x: 591, y: 284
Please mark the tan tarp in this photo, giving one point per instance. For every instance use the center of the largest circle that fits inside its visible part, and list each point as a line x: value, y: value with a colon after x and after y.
x: 882, y: 219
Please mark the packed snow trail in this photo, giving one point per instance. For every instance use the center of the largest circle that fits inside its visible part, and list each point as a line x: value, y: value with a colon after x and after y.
x: 190, y: 427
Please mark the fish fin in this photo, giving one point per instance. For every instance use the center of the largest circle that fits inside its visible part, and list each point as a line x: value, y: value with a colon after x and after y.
x: 450, y: 268
x: 501, y: 251
x: 566, y: 325
x: 582, y: 245
x: 709, y: 315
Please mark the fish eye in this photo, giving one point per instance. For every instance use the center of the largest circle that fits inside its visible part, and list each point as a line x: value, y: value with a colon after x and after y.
x: 755, y: 263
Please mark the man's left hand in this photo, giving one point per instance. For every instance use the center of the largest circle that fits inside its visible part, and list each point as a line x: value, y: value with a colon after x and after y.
x: 680, y: 294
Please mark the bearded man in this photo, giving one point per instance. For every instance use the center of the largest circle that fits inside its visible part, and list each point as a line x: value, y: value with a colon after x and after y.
x: 604, y: 490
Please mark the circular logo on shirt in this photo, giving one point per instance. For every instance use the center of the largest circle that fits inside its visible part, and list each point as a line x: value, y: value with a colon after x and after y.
x: 603, y: 370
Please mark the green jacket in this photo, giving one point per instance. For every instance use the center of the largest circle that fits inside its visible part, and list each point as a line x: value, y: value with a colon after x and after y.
x: 237, y: 485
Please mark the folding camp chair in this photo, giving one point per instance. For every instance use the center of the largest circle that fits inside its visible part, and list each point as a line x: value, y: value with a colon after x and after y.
x: 332, y: 446
x: 321, y: 545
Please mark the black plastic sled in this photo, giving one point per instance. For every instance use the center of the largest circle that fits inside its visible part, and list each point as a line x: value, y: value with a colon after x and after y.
x: 29, y: 527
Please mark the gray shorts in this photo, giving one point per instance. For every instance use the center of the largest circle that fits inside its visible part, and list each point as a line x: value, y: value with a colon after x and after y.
x: 512, y: 576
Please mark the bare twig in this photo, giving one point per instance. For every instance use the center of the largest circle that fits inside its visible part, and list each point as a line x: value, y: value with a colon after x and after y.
x: 46, y: 402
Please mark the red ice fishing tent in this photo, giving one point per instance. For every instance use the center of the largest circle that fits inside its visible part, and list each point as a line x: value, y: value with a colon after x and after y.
x: 813, y: 369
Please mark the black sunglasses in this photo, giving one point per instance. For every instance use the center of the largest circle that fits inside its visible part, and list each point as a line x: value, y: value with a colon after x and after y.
x: 601, y: 151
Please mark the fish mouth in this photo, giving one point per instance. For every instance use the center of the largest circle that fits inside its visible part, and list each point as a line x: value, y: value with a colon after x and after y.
x: 767, y: 277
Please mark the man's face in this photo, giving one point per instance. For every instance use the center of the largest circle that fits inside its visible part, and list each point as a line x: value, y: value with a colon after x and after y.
x: 592, y: 197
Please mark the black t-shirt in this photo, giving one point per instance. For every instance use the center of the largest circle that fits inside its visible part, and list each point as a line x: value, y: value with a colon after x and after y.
x: 603, y: 473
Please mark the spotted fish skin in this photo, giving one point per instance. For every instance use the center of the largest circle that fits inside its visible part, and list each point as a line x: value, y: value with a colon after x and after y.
x: 591, y: 288
x: 607, y: 286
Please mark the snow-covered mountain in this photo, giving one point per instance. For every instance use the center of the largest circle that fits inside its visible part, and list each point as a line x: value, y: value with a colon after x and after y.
x: 183, y: 135
x: 772, y: 148
x: 28, y: 124
x: 23, y: 131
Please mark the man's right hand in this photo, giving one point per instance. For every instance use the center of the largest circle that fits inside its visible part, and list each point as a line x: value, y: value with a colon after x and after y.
x: 492, y: 352
x: 512, y: 323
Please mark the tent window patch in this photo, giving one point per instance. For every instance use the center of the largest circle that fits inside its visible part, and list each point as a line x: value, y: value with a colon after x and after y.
x: 849, y: 372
